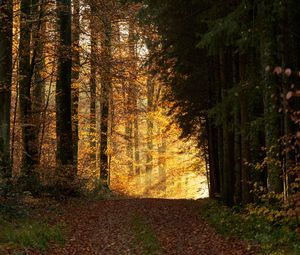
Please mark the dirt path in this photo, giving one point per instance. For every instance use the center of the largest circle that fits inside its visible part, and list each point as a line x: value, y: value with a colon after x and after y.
x: 120, y: 227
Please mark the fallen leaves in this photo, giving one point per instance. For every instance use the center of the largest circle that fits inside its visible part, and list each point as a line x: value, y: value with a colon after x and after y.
x: 105, y: 227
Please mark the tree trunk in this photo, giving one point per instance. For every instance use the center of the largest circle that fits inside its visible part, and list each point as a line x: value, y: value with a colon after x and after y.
x: 38, y: 88
x: 129, y: 127
x: 137, y: 167
x: 162, y: 150
x: 75, y: 78
x: 106, y: 83
x: 245, y: 152
x: 129, y: 131
x: 245, y: 146
x: 130, y: 118
x: 271, y: 115
x: 228, y: 173
x: 93, y: 88
x: 30, y: 157
x: 64, y: 155
x: 237, y: 153
x: 290, y: 44
x: 214, y: 172
x: 134, y: 89
x: 212, y: 134
x: 6, y: 19
x: 237, y: 132
x: 149, y: 157
x: 219, y: 128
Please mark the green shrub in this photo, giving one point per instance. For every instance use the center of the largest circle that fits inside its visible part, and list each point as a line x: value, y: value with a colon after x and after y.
x: 269, y: 236
x: 27, y: 234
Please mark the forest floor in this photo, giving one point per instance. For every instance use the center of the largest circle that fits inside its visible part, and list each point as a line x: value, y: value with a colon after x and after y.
x: 138, y: 227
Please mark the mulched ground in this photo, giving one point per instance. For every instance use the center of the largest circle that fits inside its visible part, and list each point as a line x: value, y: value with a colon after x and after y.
x: 105, y: 227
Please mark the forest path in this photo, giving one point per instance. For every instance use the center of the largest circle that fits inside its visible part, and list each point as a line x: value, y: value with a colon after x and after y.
x: 142, y: 227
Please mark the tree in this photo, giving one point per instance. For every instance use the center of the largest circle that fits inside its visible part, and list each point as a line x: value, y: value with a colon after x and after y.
x: 75, y: 77
x: 134, y: 93
x: 106, y: 84
x: 272, y: 118
x: 38, y: 80
x: 6, y: 20
x: 150, y: 126
x: 93, y: 85
x: 63, y: 91
x: 27, y: 63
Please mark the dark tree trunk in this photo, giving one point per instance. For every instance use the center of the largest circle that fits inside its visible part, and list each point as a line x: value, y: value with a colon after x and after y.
x: 30, y: 157
x: 245, y: 146
x: 228, y: 167
x: 219, y: 128
x: 38, y: 88
x: 106, y: 83
x: 213, y: 160
x: 237, y: 136
x: 291, y: 59
x: 212, y: 136
x: 6, y: 19
x: 64, y: 154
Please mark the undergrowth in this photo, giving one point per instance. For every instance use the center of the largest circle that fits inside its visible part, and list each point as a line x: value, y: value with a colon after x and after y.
x: 24, y: 234
x: 23, y: 224
x: 24, y: 216
x: 268, y: 237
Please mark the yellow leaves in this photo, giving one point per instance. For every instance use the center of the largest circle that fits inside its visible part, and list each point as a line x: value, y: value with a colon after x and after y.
x: 266, y: 211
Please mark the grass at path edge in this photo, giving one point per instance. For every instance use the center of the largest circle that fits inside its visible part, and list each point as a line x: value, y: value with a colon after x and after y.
x: 145, y: 237
x: 269, y: 238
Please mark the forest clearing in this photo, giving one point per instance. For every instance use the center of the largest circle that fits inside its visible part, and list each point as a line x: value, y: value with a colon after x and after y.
x: 149, y: 127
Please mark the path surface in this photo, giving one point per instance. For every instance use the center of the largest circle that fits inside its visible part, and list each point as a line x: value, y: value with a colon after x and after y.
x: 106, y: 227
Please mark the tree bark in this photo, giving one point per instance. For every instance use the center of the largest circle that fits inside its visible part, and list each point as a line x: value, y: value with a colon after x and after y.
x: 149, y: 157
x: 64, y: 155
x: 134, y: 89
x: 162, y: 150
x: 245, y: 146
x: 237, y: 136
x: 38, y: 88
x: 75, y: 79
x: 228, y: 173
x: 271, y: 115
x: 30, y: 157
x: 93, y: 88
x: 106, y: 83
x: 6, y: 20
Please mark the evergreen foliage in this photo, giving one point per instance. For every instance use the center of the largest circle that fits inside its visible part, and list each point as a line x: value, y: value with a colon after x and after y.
x: 226, y: 64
